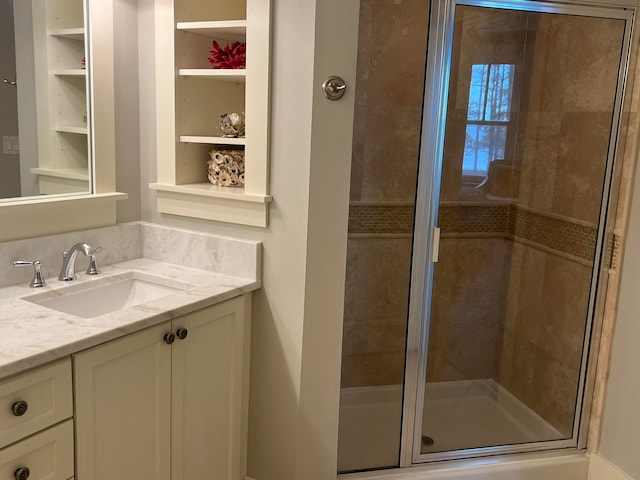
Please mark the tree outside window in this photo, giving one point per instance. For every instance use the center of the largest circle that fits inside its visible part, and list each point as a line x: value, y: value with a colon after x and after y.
x: 488, y: 116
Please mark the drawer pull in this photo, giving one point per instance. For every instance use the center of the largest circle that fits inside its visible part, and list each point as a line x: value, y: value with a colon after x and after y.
x: 169, y: 338
x: 19, y: 409
x: 182, y: 333
x: 22, y: 473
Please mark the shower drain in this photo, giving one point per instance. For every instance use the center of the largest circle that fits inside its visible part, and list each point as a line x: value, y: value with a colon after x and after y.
x: 427, y: 441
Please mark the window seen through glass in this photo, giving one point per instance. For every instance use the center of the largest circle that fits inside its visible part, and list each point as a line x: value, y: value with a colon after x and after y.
x: 488, y: 116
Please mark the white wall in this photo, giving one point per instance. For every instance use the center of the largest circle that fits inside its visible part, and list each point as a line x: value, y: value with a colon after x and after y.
x: 602, y: 469
x: 620, y: 434
x: 296, y: 340
x: 127, y: 113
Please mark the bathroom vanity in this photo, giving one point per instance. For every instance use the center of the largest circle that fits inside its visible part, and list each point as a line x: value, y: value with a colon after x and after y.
x: 154, y: 390
x: 151, y: 407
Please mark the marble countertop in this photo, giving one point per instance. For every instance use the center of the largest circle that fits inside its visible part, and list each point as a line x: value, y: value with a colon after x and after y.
x: 32, y: 335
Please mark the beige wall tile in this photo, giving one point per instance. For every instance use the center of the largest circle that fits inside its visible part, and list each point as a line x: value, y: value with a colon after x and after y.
x: 376, y: 302
x: 372, y: 369
x: 555, y: 386
x: 467, y: 307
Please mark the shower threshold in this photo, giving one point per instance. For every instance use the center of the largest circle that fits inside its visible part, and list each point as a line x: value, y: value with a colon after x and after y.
x: 458, y: 415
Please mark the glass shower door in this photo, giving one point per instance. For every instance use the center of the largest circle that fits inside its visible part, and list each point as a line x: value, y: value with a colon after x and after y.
x: 532, y: 109
x: 389, y: 91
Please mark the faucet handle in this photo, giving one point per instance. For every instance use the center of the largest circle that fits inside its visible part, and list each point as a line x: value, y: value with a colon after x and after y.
x: 38, y: 280
x: 93, y: 266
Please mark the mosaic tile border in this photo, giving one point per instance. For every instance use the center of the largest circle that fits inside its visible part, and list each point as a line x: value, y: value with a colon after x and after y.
x: 613, y: 250
x: 377, y: 219
x: 562, y: 235
x: 466, y: 219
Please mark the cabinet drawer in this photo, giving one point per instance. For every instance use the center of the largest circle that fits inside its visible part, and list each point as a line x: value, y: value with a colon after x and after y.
x: 48, y: 455
x: 48, y: 397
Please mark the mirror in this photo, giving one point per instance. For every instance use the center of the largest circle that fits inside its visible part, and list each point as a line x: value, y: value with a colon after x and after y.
x: 45, y: 94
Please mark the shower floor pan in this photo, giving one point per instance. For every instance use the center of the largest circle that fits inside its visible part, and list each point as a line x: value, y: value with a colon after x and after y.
x: 460, y: 414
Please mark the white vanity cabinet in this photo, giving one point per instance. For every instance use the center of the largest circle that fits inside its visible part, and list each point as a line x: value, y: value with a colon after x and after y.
x: 36, y: 430
x: 169, y: 402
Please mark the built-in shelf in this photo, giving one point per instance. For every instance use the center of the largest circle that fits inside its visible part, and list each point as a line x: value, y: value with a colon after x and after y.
x: 238, y: 75
x: 212, y: 140
x: 58, y: 181
x: 70, y: 173
x: 71, y: 33
x: 211, y: 202
x: 225, y: 30
x: 210, y: 190
x: 81, y: 130
x: 70, y: 72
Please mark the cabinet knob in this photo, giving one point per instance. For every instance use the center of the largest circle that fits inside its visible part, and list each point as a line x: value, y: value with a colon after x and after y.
x: 22, y: 473
x: 169, y: 338
x: 20, y: 408
x: 182, y: 333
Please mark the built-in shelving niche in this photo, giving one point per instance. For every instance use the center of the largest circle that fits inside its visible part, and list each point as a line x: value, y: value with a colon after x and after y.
x: 63, y: 132
x: 189, y: 129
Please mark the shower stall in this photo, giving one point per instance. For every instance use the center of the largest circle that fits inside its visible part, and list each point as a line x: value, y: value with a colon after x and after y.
x: 483, y: 174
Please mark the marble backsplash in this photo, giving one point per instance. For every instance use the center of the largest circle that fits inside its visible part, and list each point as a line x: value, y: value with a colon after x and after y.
x: 127, y: 241
x: 224, y: 255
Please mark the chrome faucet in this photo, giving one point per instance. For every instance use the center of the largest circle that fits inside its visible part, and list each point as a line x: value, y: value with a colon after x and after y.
x: 38, y: 280
x: 68, y: 270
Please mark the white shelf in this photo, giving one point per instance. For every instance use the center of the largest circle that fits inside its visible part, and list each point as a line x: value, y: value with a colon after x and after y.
x: 70, y: 72
x: 211, y: 202
x: 82, y: 130
x: 225, y: 30
x: 230, y: 75
x: 213, y: 140
x: 70, y: 173
x: 210, y: 190
x: 57, y: 181
x: 71, y: 33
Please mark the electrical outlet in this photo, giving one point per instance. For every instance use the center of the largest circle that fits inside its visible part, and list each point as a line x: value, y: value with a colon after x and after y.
x: 11, y: 145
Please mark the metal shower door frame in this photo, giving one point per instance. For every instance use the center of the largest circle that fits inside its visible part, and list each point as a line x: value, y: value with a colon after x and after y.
x: 440, y: 40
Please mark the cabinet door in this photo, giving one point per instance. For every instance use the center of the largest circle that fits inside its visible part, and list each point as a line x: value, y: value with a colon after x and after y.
x: 210, y: 375
x: 122, y: 399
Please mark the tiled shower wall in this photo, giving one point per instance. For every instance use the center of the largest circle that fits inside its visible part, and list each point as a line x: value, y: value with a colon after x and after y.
x: 565, y: 139
x: 388, y: 110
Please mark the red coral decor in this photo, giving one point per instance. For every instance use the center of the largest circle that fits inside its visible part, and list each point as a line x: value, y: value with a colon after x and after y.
x: 232, y: 56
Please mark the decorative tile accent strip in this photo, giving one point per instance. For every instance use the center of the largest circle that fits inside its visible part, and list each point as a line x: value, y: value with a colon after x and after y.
x: 615, y: 251
x: 562, y: 235
x: 473, y: 219
x: 380, y: 219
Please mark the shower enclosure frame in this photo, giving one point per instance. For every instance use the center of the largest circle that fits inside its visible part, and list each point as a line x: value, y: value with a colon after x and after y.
x: 440, y: 40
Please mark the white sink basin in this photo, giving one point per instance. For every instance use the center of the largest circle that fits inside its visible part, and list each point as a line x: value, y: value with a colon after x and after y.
x: 106, y: 295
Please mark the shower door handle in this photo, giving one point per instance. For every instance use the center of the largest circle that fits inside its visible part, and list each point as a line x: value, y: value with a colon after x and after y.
x: 435, y: 244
